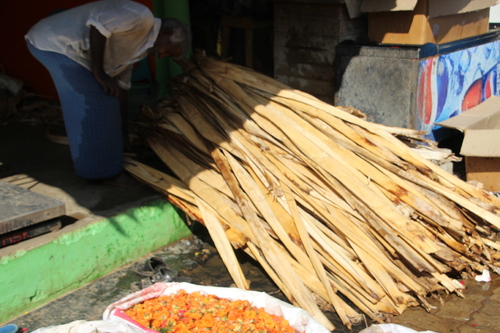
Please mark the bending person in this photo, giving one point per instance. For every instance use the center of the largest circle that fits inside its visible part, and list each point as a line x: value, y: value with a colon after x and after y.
x: 89, y: 52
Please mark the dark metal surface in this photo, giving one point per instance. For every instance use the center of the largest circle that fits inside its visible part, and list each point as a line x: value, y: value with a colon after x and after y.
x: 430, y: 49
x: 35, y: 230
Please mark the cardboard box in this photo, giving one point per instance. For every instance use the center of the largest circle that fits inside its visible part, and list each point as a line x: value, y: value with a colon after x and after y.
x: 480, y: 147
x: 418, y: 22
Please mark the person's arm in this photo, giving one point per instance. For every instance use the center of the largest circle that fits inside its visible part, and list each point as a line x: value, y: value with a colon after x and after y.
x: 110, y: 85
x: 97, y: 47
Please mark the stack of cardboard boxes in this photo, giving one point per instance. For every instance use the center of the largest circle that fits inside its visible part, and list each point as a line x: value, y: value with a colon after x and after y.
x: 418, y: 22
x: 480, y: 147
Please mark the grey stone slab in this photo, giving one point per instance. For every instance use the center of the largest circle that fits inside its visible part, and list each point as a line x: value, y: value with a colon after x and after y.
x: 20, y: 207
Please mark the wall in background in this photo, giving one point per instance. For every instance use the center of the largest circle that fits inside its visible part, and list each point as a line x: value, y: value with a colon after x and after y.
x: 16, y: 18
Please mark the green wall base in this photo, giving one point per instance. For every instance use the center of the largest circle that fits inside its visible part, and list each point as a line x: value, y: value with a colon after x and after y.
x: 80, y: 253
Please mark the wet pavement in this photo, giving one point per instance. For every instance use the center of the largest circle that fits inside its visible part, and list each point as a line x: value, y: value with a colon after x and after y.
x: 196, y: 257
x: 477, y: 311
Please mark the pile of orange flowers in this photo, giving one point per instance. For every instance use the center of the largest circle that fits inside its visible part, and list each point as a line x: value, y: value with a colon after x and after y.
x: 196, y: 312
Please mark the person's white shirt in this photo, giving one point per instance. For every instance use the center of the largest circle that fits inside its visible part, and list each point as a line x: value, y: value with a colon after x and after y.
x: 129, y: 27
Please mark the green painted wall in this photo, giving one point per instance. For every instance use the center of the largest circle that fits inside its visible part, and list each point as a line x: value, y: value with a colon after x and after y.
x: 29, y: 279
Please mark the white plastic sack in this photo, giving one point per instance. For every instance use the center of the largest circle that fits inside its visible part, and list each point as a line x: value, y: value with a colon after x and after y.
x: 97, y: 326
x: 485, y: 277
x: 390, y: 328
x: 298, y: 318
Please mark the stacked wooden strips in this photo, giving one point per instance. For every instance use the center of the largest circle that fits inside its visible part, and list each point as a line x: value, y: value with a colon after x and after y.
x: 325, y: 201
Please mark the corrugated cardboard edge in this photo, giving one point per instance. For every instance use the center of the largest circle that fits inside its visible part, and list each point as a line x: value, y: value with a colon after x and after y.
x: 373, y: 6
x: 481, y: 128
x: 353, y: 8
x: 481, y: 116
x: 436, y: 7
x: 481, y: 143
x: 447, y: 7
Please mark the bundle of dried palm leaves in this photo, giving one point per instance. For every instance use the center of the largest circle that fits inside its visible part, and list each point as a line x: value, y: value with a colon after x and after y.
x: 325, y: 201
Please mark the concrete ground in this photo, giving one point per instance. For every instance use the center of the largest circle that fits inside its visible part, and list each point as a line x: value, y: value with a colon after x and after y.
x: 101, y: 220
x: 29, y: 159
x: 32, y: 159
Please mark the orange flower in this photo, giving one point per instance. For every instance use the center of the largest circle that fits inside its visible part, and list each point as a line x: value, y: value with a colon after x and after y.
x: 200, y: 313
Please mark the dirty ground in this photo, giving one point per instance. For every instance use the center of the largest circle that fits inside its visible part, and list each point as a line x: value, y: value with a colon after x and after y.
x: 196, y: 257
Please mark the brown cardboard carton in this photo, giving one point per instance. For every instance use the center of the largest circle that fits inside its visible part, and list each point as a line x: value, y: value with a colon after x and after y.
x: 480, y: 147
x: 417, y: 22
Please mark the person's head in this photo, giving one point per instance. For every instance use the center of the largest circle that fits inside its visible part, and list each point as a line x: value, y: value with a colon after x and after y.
x: 174, y: 39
